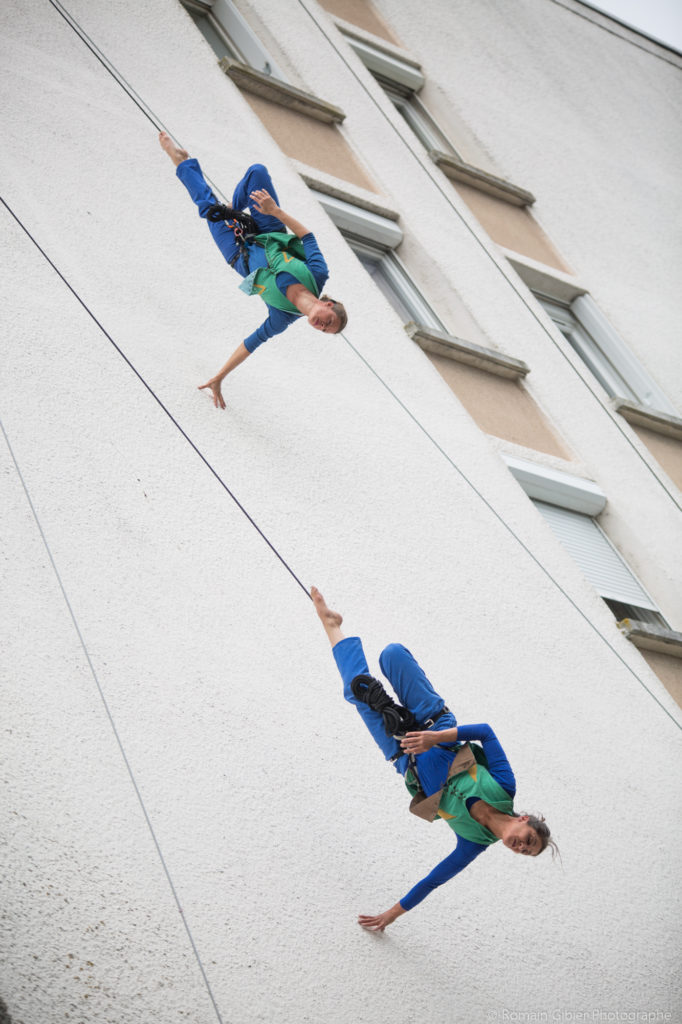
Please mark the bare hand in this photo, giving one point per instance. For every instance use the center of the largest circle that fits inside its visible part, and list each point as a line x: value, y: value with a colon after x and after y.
x: 418, y: 742
x: 214, y: 384
x: 264, y: 202
x: 378, y: 923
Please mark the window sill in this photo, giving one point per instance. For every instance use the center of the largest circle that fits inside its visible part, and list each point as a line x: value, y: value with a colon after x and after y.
x: 336, y: 188
x: 643, y: 416
x: 255, y: 82
x: 386, y: 61
x: 442, y: 344
x: 652, y: 638
x: 457, y: 170
x: 556, y: 285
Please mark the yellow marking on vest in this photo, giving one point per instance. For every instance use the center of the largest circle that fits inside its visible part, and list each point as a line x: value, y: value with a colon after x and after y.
x: 473, y: 771
x: 445, y: 815
x: 259, y: 288
x: 288, y: 259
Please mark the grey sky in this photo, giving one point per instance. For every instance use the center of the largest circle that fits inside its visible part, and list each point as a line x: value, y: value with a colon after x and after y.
x: 659, y: 18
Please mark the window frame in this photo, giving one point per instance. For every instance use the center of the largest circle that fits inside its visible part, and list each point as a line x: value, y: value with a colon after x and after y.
x: 423, y: 125
x: 235, y: 32
x: 603, y: 351
x: 397, y: 283
x: 376, y: 237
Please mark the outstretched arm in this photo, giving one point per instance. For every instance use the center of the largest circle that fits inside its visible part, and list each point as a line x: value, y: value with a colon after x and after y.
x: 264, y: 203
x: 237, y: 357
x: 461, y: 856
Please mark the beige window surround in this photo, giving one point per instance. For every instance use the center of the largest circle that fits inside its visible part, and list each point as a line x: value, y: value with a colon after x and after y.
x: 268, y: 88
x: 458, y: 170
x: 643, y: 416
x: 649, y: 637
x: 460, y: 351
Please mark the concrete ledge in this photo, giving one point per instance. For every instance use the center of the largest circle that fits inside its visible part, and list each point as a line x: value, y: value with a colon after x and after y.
x: 457, y: 170
x: 643, y: 416
x: 539, y: 277
x: 555, y: 487
x: 326, y: 187
x: 652, y: 638
x: 285, y: 95
x: 442, y: 344
x: 396, y: 69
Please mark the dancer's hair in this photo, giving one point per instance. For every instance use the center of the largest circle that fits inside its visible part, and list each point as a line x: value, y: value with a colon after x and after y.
x: 339, y: 309
x: 541, y: 829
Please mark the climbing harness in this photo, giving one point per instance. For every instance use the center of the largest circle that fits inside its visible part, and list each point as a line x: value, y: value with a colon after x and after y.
x: 397, y: 720
x: 242, y: 225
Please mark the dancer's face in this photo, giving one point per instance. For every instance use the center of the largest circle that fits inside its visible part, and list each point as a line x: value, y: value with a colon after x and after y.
x: 323, y: 318
x: 520, y: 837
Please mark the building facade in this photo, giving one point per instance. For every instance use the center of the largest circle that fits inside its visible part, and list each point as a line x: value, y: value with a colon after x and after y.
x: 485, y: 465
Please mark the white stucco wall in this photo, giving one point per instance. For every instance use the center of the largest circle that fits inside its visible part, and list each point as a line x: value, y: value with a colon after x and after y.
x: 271, y: 812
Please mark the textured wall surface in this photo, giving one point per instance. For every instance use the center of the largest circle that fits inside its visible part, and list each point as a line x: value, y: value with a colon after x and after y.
x: 193, y: 817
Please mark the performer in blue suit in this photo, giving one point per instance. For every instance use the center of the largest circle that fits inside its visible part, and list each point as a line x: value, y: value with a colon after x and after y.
x: 287, y: 271
x: 458, y: 773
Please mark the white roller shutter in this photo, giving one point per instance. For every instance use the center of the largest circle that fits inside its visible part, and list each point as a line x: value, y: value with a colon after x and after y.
x: 596, y: 556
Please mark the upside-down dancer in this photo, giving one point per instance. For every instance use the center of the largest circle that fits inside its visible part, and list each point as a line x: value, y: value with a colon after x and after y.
x: 468, y: 784
x: 287, y: 271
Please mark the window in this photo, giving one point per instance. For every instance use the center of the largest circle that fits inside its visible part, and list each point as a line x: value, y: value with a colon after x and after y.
x: 392, y: 279
x: 613, y: 580
x: 373, y: 238
x: 401, y: 80
x: 569, y: 504
x: 419, y: 120
x: 229, y: 35
x: 590, y: 334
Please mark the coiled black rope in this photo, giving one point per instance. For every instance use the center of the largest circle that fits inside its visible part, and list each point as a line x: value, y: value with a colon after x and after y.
x: 220, y: 211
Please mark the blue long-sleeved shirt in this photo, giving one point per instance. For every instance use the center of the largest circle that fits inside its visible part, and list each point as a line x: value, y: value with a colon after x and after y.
x: 466, y: 851
x: 278, y: 320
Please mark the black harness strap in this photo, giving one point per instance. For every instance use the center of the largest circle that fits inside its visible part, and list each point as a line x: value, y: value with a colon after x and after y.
x: 241, y: 224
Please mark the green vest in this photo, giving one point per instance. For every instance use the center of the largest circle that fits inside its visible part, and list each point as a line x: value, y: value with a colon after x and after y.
x: 476, y: 781
x: 284, y: 253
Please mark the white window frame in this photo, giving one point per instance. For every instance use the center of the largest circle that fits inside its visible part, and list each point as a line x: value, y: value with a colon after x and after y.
x: 236, y: 34
x: 417, y: 117
x: 374, y: 238
x: 395, y: 284
x: 401, y: 81
x: 604, y: 352
x: 403, y: 74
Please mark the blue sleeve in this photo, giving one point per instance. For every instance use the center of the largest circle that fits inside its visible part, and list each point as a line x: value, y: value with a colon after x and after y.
x: 498, y: 765
x: 460, y: 858
x: 276, y: 322
x: 315, y: 261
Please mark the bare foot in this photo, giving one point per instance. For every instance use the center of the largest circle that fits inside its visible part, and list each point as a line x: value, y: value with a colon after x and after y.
x: 329, y: 619
x: 176, y: 154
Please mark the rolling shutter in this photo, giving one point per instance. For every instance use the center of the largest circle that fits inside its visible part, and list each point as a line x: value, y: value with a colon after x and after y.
x: 596, y: 556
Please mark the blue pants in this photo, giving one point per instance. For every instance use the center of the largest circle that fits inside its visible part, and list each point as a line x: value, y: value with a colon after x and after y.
x: 414, y: 691
x: 257, y: 176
